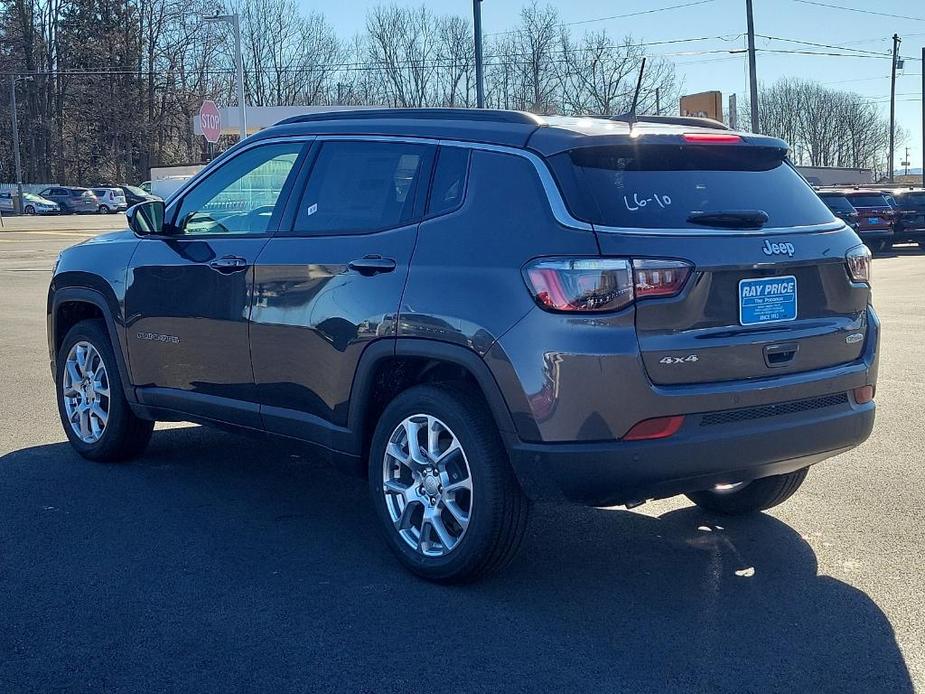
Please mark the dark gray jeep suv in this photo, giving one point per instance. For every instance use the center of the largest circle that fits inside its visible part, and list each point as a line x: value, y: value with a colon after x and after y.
x: 478, y: 309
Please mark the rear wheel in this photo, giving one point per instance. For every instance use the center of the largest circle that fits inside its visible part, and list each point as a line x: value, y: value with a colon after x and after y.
x: 29, y: 209
x: 104, y: 209
x: 749, y: 497
x: 91, y: 402
x: 442, y: 485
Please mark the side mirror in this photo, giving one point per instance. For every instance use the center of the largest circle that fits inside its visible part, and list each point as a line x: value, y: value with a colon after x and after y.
x: 146, y: 218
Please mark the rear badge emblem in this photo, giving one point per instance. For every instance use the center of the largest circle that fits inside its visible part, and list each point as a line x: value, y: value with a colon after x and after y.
x: 778, y: 248
x: 689, y: 359
x: 854, y: 338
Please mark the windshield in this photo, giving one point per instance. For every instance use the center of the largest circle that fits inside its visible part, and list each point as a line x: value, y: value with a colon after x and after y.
x: 839, y: 203
x: 135, y: 190
x: 662, y: 186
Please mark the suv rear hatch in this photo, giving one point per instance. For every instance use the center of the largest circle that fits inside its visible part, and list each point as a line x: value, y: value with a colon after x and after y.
x: 769, y: 291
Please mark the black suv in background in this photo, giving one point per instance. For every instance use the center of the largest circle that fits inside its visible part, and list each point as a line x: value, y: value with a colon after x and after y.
x: 477, y: 309
x: 909, y: 210
x: 841, y: 207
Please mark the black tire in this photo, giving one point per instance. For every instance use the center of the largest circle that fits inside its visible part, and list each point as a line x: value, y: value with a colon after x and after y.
x: 29, y: 209
x: 755, y: 496
x: 124, y: 436
x: 103, y: 209
x: 498, y: 511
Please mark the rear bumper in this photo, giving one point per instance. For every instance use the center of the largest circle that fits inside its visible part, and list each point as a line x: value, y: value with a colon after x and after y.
x: 701, y: 455
x: 876, y: 235
x: 903, y: 233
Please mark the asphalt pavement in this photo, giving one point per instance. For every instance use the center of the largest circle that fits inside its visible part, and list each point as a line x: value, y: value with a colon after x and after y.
x: 223, y: 563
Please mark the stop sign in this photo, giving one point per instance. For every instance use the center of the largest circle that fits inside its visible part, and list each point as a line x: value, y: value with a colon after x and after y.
x: 210, y: 120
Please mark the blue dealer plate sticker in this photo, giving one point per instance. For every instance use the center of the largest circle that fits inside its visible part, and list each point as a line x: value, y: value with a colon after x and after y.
x: 767, y: 300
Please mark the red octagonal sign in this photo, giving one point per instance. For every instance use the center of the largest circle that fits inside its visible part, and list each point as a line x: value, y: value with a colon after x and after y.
x: 210, y: 120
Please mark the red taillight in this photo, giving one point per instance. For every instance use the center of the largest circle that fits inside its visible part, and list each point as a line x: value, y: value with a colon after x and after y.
x: 654, y: 278
x: 711, y: 138
x: 602, y: 284
x: 658, y: 428
x: 864, y: 394
x: 581, y: 284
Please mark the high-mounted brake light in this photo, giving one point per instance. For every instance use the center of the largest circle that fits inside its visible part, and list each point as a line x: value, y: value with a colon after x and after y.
x: 602, y: 284
x: 711, y: 138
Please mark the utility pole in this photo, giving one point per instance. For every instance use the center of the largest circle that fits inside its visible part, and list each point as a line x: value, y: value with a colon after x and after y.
x: 896, y: 42
x: 658, y: 101
x: 17, y: 205
x: 752, y: 68
x: 477, y: 29
x: 923, y: 115
x: 906, y: 161
x: 733, y: 112
x: 235, y: 21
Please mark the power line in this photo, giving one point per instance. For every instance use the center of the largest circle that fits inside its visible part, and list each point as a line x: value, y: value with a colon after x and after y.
x: 855, y: 9
x: 618, y: 16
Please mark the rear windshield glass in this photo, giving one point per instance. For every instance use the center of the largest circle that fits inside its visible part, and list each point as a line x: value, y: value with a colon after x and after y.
x: 838, y: 203
x: 661, y: 186
x: 911, y: 200
x: 869, y: 201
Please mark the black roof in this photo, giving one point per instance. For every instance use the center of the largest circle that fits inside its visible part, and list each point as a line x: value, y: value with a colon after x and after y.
x: 545, y: 134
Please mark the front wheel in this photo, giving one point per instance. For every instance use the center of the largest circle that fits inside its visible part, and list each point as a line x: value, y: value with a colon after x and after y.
x: 442, y: 485
x: 103, y: 209
x: 749, y: 497
x: 91, y: 402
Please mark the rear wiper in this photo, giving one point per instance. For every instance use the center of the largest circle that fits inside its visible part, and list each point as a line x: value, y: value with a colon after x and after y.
x: 732, y: 219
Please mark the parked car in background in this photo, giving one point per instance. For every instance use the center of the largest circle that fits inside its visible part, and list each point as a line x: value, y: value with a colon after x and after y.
x: 909, y: 225
x: 72, y: 200
x: 111, y: 200
x: 32, y: 204
x: 134, y: 194
x: 841, y: 207
x: 875, y: 217
x: 145, y: 186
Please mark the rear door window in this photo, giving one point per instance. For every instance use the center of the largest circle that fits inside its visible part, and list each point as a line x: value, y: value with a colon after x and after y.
x: 361, y: 187
x: 661, y: 186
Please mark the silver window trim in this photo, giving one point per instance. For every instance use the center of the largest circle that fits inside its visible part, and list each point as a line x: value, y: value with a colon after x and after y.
x: 553, y: 196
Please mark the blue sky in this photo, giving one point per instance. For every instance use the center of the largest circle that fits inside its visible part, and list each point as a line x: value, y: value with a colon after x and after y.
x: 790, y: 19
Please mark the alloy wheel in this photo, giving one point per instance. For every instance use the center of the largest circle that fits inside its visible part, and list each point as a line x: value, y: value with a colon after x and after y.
x: 85, y: 390
x: 427, y: 485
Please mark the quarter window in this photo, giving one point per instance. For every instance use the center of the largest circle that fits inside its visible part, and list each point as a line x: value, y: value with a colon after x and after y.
x: 241, y: 196
x: 449, y: 185
x: 360, y: 187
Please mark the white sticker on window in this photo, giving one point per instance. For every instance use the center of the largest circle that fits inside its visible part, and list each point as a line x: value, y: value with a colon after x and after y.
x: 311, y: 210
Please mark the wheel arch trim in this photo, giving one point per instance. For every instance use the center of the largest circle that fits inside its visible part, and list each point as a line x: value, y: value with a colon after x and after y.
x: 86, y: 295
x: 379, y: 351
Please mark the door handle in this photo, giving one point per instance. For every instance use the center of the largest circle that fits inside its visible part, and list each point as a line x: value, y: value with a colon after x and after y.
x: 228, y: 264
x: 372, y: 265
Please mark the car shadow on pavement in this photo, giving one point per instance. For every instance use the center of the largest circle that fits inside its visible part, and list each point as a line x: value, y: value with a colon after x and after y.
x: 219, y: 563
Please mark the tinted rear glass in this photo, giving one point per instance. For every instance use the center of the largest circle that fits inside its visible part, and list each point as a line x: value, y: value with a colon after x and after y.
x: 868, y: 201
x: 838, y: 203
x: 911, y: 200
x: 660, y: 186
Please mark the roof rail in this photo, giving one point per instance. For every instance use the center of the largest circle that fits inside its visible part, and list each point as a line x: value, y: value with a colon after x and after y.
x: 470, y: 114
x: 672, y: 120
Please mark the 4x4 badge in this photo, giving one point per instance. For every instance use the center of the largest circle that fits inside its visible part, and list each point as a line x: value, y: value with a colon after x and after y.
x: 778, y: 248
